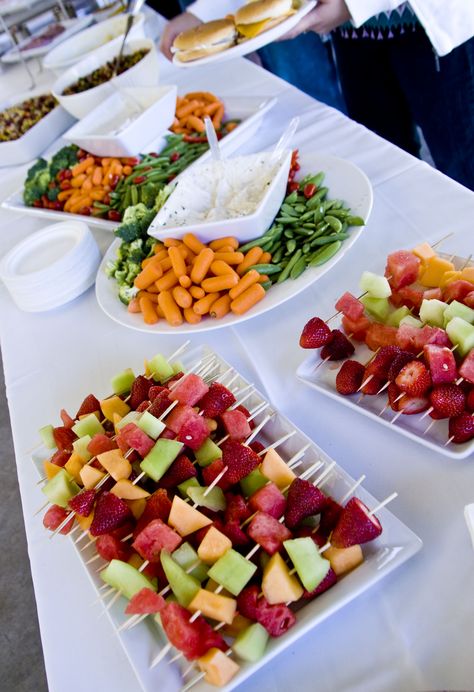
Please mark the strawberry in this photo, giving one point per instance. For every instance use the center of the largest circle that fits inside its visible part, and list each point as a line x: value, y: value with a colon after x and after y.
x: 60, y: 458
x: 159, y: 404
x: 64, y: 437
x: 315, y: 334
x: 277, y: 619
x: 180, y: 470
x: 194, y: 638
x: 461, y: 428
x: 54, y: 517
x: 448, y: 400
x: 355, y: 525
x: 233, y: 531
x: 216, y: 400
x: 329, y: 580
x: 330, y: 514
x: 256, y: 445
x: 236, y: 509
x: 68, y: 422
x: 268, y: 532
x: 158, y: 506
x: 338, y: 347
x: 247, y: 602
x: 210, y: 473
x: 83, y: 502
x: 349, y: 378
x: 139, y: 391
x: 144, y: 406
x: 239, y: 459
x: 110, y: 513
x: 409, y: 405
x: 382, y: 361
x: 146, y: 601
x: 155, y: 390
x: 110, y: 547
x: 414, y: 378
x: 470, y: 401
x: 303, y: 500
x: 89, y: 405
x: 397, y: 364
x: 372, y: 385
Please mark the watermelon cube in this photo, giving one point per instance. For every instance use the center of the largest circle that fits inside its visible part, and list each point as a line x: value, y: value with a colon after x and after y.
x: 402, y: 268
x: 154, y: 538
x: 430, y: 335
x: 189, y: 390
x: 357, y: 328
x: 406, y: 336
x: 194, y: 638
x: 467, y: 368
x: 457, y: 290
x: 350, y: 306
x: 110, y: 547
x: 145, y: 602
x: 469, y: 299
x: 268, y: 499
x: 194, y: 431
x: 441, y: 363
x: 137, y: 439
x: 268, y: 532
x: 433, y: 294
x: 54, y: 517
x: 411, y: 296
x: 236, y: 425
x: 179, y: 416
x: 379, y: 335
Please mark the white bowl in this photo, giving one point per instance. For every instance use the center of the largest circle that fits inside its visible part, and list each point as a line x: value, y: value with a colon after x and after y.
x: 144, y: 73
x: 192, y: 191
x: 105, y: 132
x: 37, y: 138
x: 83, y: 45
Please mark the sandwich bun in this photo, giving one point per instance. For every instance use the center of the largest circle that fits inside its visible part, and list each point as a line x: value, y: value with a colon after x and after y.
x: 260, y: 15
x: 205, y: 39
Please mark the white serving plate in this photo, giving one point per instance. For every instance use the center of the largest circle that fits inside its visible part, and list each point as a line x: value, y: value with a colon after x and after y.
x: 250, y: 109
x: 252, y: 44
x: 396, y: 544
x: 345, y: 181
x: 72, y: 26
x: 323, y: 379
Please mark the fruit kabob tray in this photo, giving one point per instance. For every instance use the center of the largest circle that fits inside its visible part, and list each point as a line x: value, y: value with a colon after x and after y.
x: 206, y: 519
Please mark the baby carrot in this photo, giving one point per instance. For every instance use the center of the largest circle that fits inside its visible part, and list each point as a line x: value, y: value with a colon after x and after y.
x: 152, y: 296
x: 245, y: 282
x: 195, y: 123
x: 219, y: 283
x: 148, y: 310
x: 78, y: 180
x: 182, y: 297
x: 167, y: 281
x: 183, y: 111
x: 221, y: 307
x: 65, y: 194
x: 134, y: 305
x: 201, y: 265
x: 148, y: 275
x: 230, y: 257
x: 82, y: 166
x: 266, y: 258
x: 171, y: 242
x: 159, y: 311
x: 252, y: 257
x: 247, y: 299
x: 191, y: 317
x: 211, y: 108
x: 84, y: 201
x: 177, y: 261
x: 160, y: 253
x: 226, y: 248
x: 165, y: 263
x: 97, y: 193
x: 217, y: 117
x: 87, y: 185
x: 263, y: 278
x: 202, y: 306
x: 197, y: 292
x: 185, y: 281
x: 190, y: 240
x: 222, y: 242
x: 219, y: 268
x: 171, y: 310
x: 97, y: 176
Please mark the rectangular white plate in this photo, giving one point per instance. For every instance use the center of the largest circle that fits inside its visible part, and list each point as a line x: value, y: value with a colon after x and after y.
x: 249, y: 109
x: 396, y: 544
x: 323, y: 379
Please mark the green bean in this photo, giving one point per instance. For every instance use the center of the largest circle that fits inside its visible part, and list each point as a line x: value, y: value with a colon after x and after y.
x: 300, y: 208
x: 286, y: 219
x: 304, y: 231
x: 288, y: 210
x: 277, y: 255
x: 324, y: 254
x: 253, y: 243
x: 265, y: 268
x: 266, y: 285
x: 307, y: 215
x: 309, y: 225
x: 306, y: 248
x: 317, y: 198
x: 286, y: 272
x: 291, y: 198
x: 325, y: 239
x: 333, y: 222
x: 134, y: 195
x: 298, y: 268
x: 291, y: 246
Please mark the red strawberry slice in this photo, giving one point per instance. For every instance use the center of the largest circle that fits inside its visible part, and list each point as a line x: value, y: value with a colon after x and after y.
x: 382, y: 361
x: 236, y: 508
x: 355, y: 526
x: 239, y: 459
x: 470, y: 401
x: 195, y: 638
x: 110, y: 513
x: 303, y: 500
x: 448, y: 400
x: 89, y: 405
x: 155, y: 390
x: 234, y: 533
x: 180, y: 470
x: 54, y: 517
x: 397, y: 364
x: 414, y: 378
x: 277, y: 619
x: 158, y: 506
x: 216, y: 401
x: 257, y: 446
x: 268, y: 499
x: 394, y: 396
x: 461, y: 428
x: 110, y: 547
x: 139, y: 391
x: 145, y: 602
x: 350, y: 306
x: 160, y: 404
x: 330, y: 514
x: 349, y: 378
x: 68, y: 422
x: 155, y: 537
x: 83, y: 502
x: 60, y: 458
x: 64, y: 437
x: 101, y: 443
x: 210, y: 473
x: 338, y: 347
x: 315, y: 334
x: 144, y: 406
x: 329, y: 580
x: 373, y: 385
x: 268, y: 532
x: 409, y: 405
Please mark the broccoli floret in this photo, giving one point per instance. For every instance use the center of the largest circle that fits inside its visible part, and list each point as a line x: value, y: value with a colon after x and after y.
x: 149, y: 245
x: 120, y: 275
x: 52, y: 193
x: 148, y: 193
x: 135, y: 213
x: 135, y: 251
x: 134, y: 268
x: 128, y: 232
x: 36, y: 186
x: 40, y: 165
x: 64, y: 158
x: 111, y: 267
x: 126, y: 293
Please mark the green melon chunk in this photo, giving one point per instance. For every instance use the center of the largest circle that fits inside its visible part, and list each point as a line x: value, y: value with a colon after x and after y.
x: 207, y: 453
x: 47, y: 437
x: 125, y: 578
x: 122, y: 382
x: 161, y: 456
x: 461, y: 334
x: 190, y: 483
x: 177, y: 367
x: 432, y: 312
x: 397, y: 316
x: 130, y: 417
x: 80, y: 447
x: 186, y: 556
x: 150, y: 425
x: 377, y: 307
x: 60, y: 488
x: 232, y: 571
x: 375, y: 285
x: 214, y: 499
x: 183, y: 585
x: 160, y: 368
x: 457, y: 309
x: 411, y: 321
x: 89, y: 425
x: 250, y: 643
x: 253, y: 482
x: 310, y: 566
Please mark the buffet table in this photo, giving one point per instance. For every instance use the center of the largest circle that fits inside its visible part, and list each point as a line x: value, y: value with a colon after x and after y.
x: 413, y: 630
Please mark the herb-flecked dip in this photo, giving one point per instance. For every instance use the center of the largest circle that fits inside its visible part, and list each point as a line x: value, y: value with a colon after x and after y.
x: 104, y: 73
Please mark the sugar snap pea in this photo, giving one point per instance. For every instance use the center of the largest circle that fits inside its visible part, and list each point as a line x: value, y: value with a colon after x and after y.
x: 324, y: 254
x: 286, y: 271
x: 298, y: 268
x: 333, y: 222
x: 291, y: 246
x: 267, y: 269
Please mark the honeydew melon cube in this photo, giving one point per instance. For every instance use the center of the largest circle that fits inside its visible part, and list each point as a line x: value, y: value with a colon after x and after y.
x: 432, y: 312
x: 122, y: 382
x: 375, y: 285
x: 461, y: 334
x: 130, y: 417
x: 89, y: 425
x: 213, y: 546
x: 232, y: 571
x: 278, y: 585
x: 160, y: 458
x: 183, y: 585
x: 310, y: 566
x: 253, y: 482
x: 411, y: 321
x: 207, y: 453
x: 377, y: 307
x: 125, y: 578
x: 190, y: 483
x: 276, y: 469
x: 457, y: 309
x: 60, y: 488
x: 177, y: 367
x: 114, y: 406
x: 214, y: 606
x: 150, y: 425
x: 186, y: 556
x: 80, y: 447
x: 160, y: 368
x: 219, y: 669
x: 212, y: 499
x: 395, y: 318
x: 250, y: 644
x: 47, y: 437
x: 186, y: 519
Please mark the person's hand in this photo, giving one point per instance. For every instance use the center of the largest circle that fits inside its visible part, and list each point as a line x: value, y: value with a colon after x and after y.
x: 174, y: 27
x: 326, y: 16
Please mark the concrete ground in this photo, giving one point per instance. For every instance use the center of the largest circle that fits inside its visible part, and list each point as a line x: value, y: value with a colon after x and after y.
x: 21, y: 656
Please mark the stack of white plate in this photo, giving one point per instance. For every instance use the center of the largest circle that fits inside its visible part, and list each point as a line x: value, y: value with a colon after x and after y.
x: 51, y: 267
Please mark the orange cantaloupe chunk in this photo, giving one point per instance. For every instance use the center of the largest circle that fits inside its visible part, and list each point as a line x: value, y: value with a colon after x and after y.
x: 85, y: 522
x: 433, y: 271
x: 278, y: 585
x: 424, y: 251
x: 114, y: 404
x: 276, y: 469
x: 90, y: 476
x: 74, y: 465
x: 115, y: 463
x: 185, y: 519
x: 137, y: 507
x: 344, y: 560
x: 448, y: 277
x: 219, y: 669
x: 50, y: 469
x: 127, y: 491
x: 467, y: 274
x: 214, y: 606
x: 238, y: 624
x: 213, y: 546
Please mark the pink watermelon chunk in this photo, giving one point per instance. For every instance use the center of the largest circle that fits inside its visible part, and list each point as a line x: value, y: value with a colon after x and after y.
x: 457, y: 290
x: 431, y: 335
x: 406, y: 337
x: 154, y: 538
x: 189, y: 390
x: 268, y: 499
x: 350, y: 306
x: 100, y: 443
x: 379, y: 335
x: 467, y: 368
x: 54, y: 517
x: 195, y: 638
x: 194, y: 431
x: 236, y: 425
x: 268, y: 532
x: 441, y: 363
x: 145, y: 602
x: 68, y: 422
x: 357, y: 328
x: 277, y: 619
x: 411, y: 296
x: 432, y: 294
x: 179, y: 416
x: 402, y: 268
x: 110, y: 547
x: 135, y: 438
x: 60, y: 457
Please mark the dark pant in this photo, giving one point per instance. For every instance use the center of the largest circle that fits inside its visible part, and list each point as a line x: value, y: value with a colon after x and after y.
x: 394, y: 84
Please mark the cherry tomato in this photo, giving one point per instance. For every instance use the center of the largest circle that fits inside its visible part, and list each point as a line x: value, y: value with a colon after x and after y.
x: 309, y: 190
x: 65, y: 185
x: 292, y: 186
x: 67, y: 174
x: 139, y: 179
x: 85, y: 211
x: 114, y: 215
x: 81, y: 154
x: 106, y: 199
x: 175, y: 156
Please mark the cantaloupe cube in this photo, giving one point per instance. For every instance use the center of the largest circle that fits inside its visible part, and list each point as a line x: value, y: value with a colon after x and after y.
x: 278, y: 585
x: 344, y: 559
x: 90, y: 476
x: 115, y: 463
x: 114, y: 404
x: 116, y: 420
x: 185, y: 519
x: 238, y: 624
x: 424, y: 251
x: 467, y: 274
x: 213, y: 546
x: 276, y: 469
x: 448, y: 277
x: 127, y: 491
x: 433, y: 271
x: 74, y: 465
x: 137, y: 507
x: 214, y: 606
x: 218, y: 667
x: 85, y: 522
x: 50, y: 469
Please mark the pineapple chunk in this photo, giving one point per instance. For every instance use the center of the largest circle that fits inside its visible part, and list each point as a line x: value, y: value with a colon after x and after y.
x: 219, y: 668
x: 278, y: 585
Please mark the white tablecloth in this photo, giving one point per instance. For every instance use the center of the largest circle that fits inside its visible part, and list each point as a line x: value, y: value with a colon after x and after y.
x: 415, y: 629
